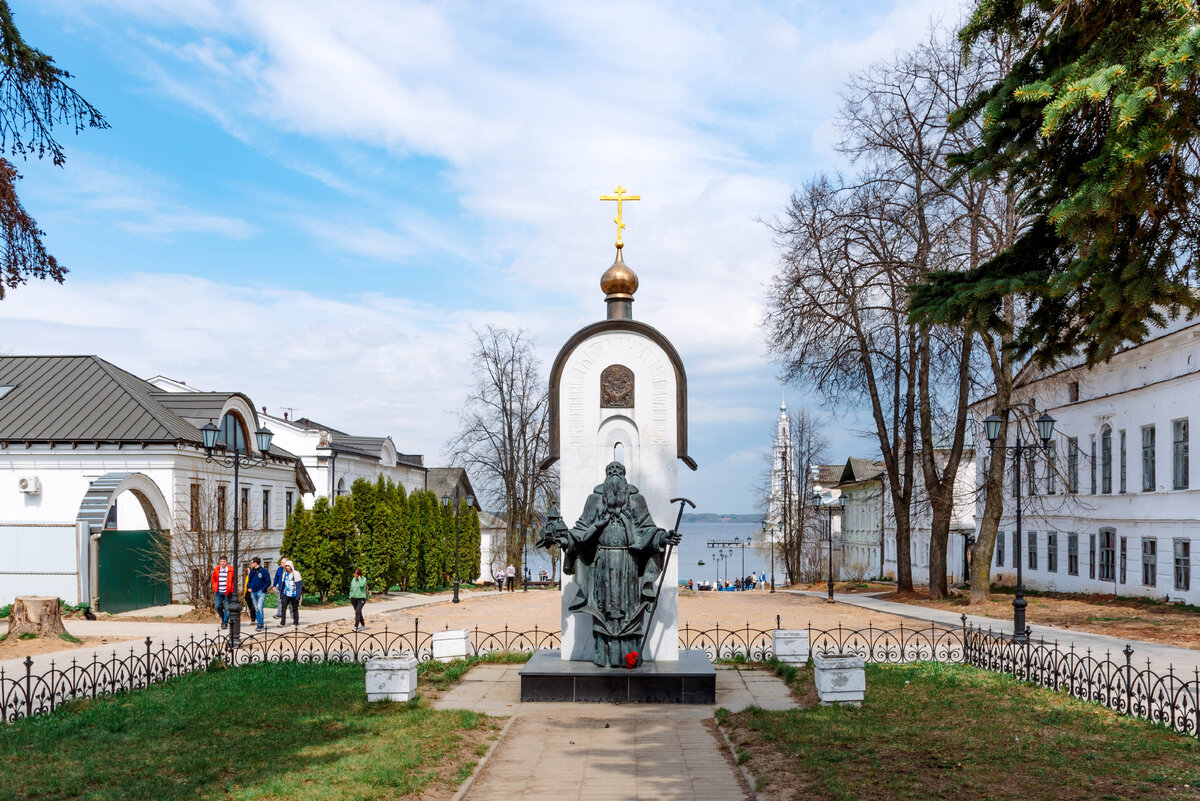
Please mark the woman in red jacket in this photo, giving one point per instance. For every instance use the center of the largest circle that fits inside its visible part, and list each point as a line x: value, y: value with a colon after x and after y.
x: 223, y: 589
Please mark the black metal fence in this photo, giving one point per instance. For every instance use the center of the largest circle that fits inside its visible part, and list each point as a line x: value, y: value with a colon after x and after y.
x: 1171, y: 700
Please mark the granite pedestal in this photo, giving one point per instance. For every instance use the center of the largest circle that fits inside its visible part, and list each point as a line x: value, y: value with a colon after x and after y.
x: 691, y: 680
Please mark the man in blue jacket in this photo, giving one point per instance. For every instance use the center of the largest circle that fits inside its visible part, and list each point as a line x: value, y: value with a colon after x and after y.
x: 289, y: 594
x: 277, y: 585
x: 258, y: 581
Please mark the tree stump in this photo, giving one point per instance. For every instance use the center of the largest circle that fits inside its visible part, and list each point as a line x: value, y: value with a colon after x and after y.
x: 36, y: 614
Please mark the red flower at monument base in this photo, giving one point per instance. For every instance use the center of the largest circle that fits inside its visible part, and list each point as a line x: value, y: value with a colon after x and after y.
x: 631, y: 659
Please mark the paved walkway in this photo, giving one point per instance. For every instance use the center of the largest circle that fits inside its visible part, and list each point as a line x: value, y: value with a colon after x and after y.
x: 1184, y: 660
x: 598, y: 752
x: 124, y: 634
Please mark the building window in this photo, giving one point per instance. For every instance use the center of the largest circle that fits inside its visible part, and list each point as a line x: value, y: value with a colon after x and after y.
x: 266, y: 509
x: 1108, y: 556
x: 244, y: 509
x: 1073, y: 464
x: 1123, y: 485
x: 1031, y: 471
x: 1000, y: 549
x: 1052, y: 552
x: 289, y: 504
x: 341, y: 487
x: 1091, y: 556
x: 1052, y: 469
x: 1092, y: 466
x: 221, y: 510
x: 1073, y: 391
x: 1179, y: 453
x: 1124, y: 558
x: 194, y: 506
x: 233, y: 434
x: 1032, y: 550
x: 1016, y: 552
x: 1073, y: 554
x: 1106, y: 460
x: 1148, y: 459
x: 1183, y: 565
x: 1149, y: 561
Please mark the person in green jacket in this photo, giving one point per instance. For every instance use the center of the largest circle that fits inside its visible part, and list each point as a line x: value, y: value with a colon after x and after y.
x: 358, y: 597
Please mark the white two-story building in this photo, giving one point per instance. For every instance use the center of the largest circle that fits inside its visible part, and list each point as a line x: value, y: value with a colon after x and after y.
x: 1112, y: 505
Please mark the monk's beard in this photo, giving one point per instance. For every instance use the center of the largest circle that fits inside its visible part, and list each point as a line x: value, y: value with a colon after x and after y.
x: 616, y: 495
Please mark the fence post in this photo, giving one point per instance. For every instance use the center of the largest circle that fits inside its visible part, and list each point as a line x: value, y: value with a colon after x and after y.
x: 778, y: 622
x: 965, y: 659
x: 148, y: 642
x: 28, y: 686
x: 1128, y: 679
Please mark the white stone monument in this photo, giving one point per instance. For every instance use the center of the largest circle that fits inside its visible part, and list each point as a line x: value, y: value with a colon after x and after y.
x: 618, y: 392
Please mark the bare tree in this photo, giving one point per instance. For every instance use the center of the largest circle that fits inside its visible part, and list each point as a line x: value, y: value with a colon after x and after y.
x: 203, y: 534
x: 503, y: 433
x: 836, y: 319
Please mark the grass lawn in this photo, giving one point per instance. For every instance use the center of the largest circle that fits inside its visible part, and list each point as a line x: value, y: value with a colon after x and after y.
x: 275, y: 731
x: 951, y: 731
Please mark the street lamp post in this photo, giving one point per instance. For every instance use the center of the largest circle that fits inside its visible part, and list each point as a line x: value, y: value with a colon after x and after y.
x: 262, y: 436
x: 446, y: 504
x: 1045, y: 426
x: 817, y: 503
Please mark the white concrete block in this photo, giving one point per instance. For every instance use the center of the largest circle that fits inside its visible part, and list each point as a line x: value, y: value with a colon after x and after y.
x: 451, y: 645
x: 840, y: 678
x: 391, y: 679
x: 790, y: 646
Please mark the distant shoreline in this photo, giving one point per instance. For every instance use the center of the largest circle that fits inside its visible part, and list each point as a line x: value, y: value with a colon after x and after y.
x: 713, y: 517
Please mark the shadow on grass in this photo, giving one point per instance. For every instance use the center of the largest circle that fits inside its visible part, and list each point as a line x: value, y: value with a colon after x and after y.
x: 270, y: 731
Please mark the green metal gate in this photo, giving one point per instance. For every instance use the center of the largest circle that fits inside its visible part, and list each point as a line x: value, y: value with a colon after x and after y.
x: 130, y: 577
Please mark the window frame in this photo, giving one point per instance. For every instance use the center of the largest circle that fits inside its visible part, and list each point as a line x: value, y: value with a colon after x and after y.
x: 1106, y: 460
x: 194, y: 506
x: 1032, y: 543
x: 1051, y: 551
x: 1108, y: 555
x: 1072, y: 553
x: 1149, y: 480
x: 1073, y: 464
x: 266, y: 508
x: 1182, y: 563
x: 1179, y: 454
x: 1149, y: 567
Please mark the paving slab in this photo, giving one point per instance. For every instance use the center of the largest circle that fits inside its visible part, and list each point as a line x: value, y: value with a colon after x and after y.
x: 597, y: 752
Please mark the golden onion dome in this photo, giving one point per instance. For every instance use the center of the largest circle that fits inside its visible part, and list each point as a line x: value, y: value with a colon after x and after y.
x: 619, y: 282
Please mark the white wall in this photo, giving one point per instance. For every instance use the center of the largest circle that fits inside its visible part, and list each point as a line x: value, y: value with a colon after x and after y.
x: 1153, y: 384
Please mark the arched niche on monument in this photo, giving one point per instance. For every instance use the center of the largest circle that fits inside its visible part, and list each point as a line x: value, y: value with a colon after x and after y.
x: 617, y: 429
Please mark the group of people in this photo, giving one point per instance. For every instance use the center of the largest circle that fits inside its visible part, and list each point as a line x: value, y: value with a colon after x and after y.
x: 749, y: 582
x: 287, y: 583
x: 506, y: 577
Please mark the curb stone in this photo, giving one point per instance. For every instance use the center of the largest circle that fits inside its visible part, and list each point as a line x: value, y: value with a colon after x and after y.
x: 747, y: 779
x: 462, y: 791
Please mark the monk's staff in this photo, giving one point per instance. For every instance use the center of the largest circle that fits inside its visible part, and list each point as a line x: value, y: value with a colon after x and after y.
x: 663, y: 575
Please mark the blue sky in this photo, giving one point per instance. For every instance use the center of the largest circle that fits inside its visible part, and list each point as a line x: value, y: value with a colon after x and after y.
x: 314, y: 202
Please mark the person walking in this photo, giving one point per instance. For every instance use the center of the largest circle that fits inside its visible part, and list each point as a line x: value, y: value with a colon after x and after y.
x: 222, y: 587
x: 500, y: 579
x: 277, y: 585
x: 258, y: 581
x: 358, y: 597
x: 510, y: 573
x: 290, y: 593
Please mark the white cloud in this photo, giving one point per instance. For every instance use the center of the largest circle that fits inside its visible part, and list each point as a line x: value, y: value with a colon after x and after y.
x: 711, y: 112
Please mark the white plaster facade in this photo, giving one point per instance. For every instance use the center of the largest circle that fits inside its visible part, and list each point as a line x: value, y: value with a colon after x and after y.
x: 1125, y: 522
x: 335, y: 461
x: 48, y: 550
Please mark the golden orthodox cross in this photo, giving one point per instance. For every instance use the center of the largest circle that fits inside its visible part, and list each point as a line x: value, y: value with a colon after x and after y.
x: 620, y: 196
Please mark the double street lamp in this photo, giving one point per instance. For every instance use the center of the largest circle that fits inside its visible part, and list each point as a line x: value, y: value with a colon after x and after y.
x: 446, y: 505
x: 237, y: 459
x: 741, y: 545
x: 1045, y: 428
x: 818, y: 499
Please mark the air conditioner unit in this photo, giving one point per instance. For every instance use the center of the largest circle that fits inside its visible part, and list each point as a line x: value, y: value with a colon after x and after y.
x: 30, y: 485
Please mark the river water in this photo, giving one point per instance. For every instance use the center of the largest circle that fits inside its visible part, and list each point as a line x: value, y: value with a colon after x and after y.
x: 694, y: 548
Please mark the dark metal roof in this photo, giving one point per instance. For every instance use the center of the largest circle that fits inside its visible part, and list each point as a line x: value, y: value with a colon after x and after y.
x: 857, y: 470
x: 83, y: 398
x: 449, y: 481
